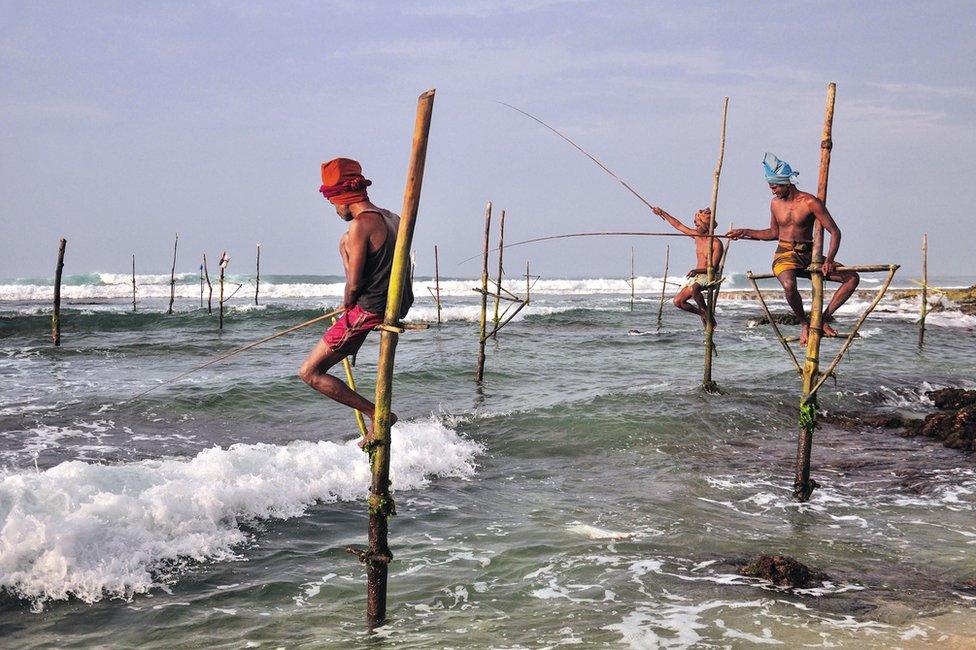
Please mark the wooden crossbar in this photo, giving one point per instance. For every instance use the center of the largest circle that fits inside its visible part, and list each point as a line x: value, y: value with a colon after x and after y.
x: 863, y: 268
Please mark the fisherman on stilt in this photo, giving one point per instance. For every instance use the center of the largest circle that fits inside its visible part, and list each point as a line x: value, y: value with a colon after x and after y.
x: 697, y: 278
x: 366, y: 250
x: 793, y: 216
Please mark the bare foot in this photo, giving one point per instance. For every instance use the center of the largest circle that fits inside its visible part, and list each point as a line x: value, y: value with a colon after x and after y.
x: 804, y: 330
x: 828, y: 330
x: 371, y: 437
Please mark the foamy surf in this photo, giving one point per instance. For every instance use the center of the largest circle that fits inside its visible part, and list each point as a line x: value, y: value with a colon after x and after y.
x: 95, y: 531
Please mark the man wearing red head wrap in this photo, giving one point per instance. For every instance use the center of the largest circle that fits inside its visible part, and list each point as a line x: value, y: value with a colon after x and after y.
x: 366, y: 250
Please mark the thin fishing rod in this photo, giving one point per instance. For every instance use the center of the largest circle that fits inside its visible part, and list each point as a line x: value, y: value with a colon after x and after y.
x: 600, y: 234
x: 582, y: 151
x: 237, y: 351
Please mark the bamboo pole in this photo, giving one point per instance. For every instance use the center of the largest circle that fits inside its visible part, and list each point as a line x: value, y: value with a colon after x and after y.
x: 56, y: 316
x: 854, y: 334
x: 707, y: 383
x: 925, y: 290
x: 206, y: 274
x: 664, y: 285
x: 257, y: 276
x: 528, y: 287
x: 861, y: 268
x: 803, y: 485
x: 381, y: 506
x: 772, y: 321
x: 133, y: 282
x: 480, y: 374
x: 201, y: 285
x: 172, y: 276
x: 437, y: 283
x: 501, y: 254
x: 224, y: 261
x: 631, y: 278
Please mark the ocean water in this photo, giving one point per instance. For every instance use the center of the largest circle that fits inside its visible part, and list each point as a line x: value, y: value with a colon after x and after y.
x: 587, y: 494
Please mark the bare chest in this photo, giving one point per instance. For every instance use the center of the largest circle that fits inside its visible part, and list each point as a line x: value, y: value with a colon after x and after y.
x: 792, y: 214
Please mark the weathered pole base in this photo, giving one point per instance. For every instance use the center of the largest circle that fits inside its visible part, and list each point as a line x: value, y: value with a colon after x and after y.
x: 377, y: 560
x: 711, y: 387
x: 802, y: 491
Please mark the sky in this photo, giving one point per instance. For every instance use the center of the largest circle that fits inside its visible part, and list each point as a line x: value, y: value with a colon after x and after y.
x: 122, y: 123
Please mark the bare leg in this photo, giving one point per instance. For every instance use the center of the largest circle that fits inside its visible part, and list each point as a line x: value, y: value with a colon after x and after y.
x: 793, y: 299
x: 848, y: 283
x: 315, y: 373
x: 681, y: 301
x: 696, y: 292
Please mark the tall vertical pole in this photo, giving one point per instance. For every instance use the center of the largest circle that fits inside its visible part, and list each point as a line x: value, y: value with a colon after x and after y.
x: 133, y: 282
x: 56, y: 316
x: 480, y: 374
x: 664, y: 286
x: 528, y: 287
x: 206, y: 274
x: 201, y: 284
x: 803, y: 485
x: 224, y: 260
x: 707, y: 382
x: 501, y: 254
x: 437, y: 283
x: 378, y: 556
x: 257, y: 276
x: 925, y: 290
x: 631, y: 278
x: 172, y: 276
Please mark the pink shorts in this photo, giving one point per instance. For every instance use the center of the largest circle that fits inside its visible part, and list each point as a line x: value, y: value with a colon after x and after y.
x: 351, y: 329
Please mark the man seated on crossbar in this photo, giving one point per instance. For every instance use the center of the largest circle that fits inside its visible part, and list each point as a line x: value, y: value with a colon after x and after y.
x: 793, y: 216
x: 697, y: 278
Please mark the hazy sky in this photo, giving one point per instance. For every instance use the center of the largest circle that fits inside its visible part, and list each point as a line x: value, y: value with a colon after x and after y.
x: 124, y: 122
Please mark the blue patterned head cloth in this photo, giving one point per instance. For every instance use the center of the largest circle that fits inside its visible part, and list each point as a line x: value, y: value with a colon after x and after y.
x: 778, y: 172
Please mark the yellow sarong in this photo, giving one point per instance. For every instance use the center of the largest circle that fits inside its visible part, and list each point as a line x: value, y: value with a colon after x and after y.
x: 792, y: 255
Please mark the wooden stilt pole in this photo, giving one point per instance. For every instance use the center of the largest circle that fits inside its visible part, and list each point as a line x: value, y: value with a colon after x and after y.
x: 803, y: 485
x: 201, y: 285
x: 528, y: 287
x: 56, y: 316
x: 631, y: 278
x: 707, y: 383
x: 257, y: 276
x: 206, y: 274
x: 437, y: 283
x: 377, y: 557
x: 224, y: 260
x: 172, y: 277
x: 501, y: 254
x: 925, y: 290
x: 664, y: 284
x: 480, y: 374
x: 133, y: 282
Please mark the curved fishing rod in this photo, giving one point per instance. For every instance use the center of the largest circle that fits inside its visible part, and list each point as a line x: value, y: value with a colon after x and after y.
x: 236, y: 351
x: 599, y: 234
x: 582, y: 151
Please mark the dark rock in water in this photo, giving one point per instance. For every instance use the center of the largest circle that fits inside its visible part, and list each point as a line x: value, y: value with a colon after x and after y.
x: 956, y: 428
x: 967, y: 586
x: 784, y: 571
x: 855, y: 420
x: 952, y: 398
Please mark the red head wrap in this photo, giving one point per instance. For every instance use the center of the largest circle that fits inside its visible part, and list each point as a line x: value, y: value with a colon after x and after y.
x: 343, y: 182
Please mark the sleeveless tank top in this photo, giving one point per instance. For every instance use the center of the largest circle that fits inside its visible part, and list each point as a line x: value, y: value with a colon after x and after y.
x: 376, y: 272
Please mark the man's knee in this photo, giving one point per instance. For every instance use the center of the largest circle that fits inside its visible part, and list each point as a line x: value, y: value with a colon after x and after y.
x: 678, y: 300
x: 788, y: 282
x: 853, y: 279
x: 306, y: 372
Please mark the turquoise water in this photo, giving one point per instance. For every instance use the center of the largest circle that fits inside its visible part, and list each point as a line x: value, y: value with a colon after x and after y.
x: 589, y: 493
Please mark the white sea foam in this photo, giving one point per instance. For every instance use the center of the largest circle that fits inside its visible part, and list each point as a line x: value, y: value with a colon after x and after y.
x: 94, y: 531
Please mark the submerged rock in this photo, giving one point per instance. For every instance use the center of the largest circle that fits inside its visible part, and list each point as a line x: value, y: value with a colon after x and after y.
x: 952, y: 398
x: 784, y: 571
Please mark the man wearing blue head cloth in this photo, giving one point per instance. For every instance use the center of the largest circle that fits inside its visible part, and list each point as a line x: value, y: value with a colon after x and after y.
x: 793, y: 215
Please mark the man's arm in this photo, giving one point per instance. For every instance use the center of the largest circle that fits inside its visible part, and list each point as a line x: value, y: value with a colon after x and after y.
x: 680, y: 227
x: 353, y: 247
x: 767, y: 234
x: 823, y: 217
